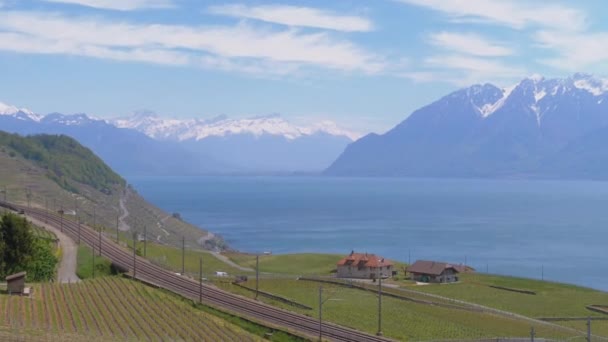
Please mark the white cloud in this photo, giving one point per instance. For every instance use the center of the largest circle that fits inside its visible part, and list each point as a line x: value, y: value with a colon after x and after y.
x: 121, y: 5
x: 469, y: 43
x: 575, y: 51
x: 511, y: 13
x: 240, y: 48
x: 465, y: 70
x: 295, y: 16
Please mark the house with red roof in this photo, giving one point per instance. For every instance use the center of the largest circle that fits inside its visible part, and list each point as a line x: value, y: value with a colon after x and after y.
x: 364, y: 266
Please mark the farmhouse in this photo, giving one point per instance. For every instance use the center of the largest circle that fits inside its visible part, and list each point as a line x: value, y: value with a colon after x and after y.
x: 15, y: 283
x: 364, y: 266
x: 434, y: 271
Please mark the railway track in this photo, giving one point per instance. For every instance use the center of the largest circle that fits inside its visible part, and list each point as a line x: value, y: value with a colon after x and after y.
x: 189, y: 288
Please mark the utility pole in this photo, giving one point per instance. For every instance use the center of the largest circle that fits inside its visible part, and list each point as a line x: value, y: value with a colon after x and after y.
x: 5, y: 209
x: 257, y: 275
x: 320, y: 313
x: 145, y: 241
x: 200, y: 280
x: 183, y: 254
x: 532, y: 334
x: 542, y: 272
x: 134, y: 256
x: 62, y: 220
x: 93, y: 261
x: 100, y: 241
x: 379, y: 333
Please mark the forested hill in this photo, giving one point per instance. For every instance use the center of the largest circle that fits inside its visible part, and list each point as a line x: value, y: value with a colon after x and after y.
x: 65, y: 160
x: 55, y: 172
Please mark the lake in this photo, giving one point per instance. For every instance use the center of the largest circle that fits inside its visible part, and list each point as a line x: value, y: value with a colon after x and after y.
x: 556, y: 230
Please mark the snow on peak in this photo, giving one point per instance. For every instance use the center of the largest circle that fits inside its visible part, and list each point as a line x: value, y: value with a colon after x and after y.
x: 536, y: 78
x: 20, y: 113
x: 198, y: 129
x: 593, y: 85
x: 489, y: 108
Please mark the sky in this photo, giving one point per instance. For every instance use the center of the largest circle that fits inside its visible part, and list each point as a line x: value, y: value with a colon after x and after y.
x: 365, y: 64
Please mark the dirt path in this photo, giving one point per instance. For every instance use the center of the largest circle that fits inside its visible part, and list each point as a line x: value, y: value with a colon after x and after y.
x: 225, y: 259
x: 122, y: 225
x: 69, y: 254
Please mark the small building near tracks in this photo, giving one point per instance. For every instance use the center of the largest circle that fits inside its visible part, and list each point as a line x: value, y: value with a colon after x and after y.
x: 15, y: 283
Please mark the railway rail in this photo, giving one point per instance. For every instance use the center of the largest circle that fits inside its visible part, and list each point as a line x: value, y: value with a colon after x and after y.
x: 143, y: 270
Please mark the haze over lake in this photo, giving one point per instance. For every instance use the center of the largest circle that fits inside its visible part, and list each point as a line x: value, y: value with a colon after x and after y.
x: 555, y: 229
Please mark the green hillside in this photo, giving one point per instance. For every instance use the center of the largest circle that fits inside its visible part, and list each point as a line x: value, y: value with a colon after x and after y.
x: 57, y: 173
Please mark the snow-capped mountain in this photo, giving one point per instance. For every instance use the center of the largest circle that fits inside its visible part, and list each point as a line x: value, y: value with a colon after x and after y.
x: 527, y: 129
x: 18, y: 113
x: 221, y: 126
x: 146, y: 144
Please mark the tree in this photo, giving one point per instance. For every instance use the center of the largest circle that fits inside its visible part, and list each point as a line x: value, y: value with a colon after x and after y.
x: 20, y: 250
x: 42, y: 264
x: 18, y: 244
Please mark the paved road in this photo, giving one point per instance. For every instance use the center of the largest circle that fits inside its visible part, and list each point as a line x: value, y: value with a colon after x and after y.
x: 69, y: 253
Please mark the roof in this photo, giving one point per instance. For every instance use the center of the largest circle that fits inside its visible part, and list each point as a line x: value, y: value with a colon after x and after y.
x: 432, y: 267
x: 15, y: 276
x: 365, y: 260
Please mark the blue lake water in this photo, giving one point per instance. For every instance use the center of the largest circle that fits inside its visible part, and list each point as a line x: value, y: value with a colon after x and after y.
x: 552, y: 229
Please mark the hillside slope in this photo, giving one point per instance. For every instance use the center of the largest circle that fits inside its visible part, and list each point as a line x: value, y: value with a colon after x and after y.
x: 56, y: 172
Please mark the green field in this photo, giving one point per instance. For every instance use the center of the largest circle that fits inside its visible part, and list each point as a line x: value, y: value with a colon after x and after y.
x: 171, y: 258
x: 321, y: 264
x: 401, y: 320
x: 295, y: 264
x: 110, y: 308
x: 551, y: 299
x: 84, y: 264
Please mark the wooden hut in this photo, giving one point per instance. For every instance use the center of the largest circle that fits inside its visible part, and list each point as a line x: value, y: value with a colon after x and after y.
x: 15, y: 283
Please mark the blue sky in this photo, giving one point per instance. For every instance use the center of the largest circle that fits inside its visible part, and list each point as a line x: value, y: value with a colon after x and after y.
x: 364, y: 64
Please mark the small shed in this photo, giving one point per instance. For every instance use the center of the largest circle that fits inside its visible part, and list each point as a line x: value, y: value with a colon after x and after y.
x: 15, y: 283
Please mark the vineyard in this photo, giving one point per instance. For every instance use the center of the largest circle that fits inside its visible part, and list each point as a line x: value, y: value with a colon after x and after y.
x: 109, y: 308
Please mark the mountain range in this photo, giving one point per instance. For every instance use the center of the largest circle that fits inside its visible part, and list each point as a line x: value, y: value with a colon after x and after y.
x: 146, y: 144
x: 546, y: 128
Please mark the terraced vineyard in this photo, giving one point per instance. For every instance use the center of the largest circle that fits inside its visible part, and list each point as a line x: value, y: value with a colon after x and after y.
x: 110, y: 308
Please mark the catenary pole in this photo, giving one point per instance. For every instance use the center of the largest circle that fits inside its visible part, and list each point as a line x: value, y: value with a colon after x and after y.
x: 183, y: 255
x: 320, y: 313
x: 134, y: 256
x: 379, y: 333
x: 200, y: 280
x: 257, y: 276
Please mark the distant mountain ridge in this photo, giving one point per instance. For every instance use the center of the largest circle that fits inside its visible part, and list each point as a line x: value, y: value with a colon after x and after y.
x: 221, y: 126
x: 146, y: 144
x: 528, y: 130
